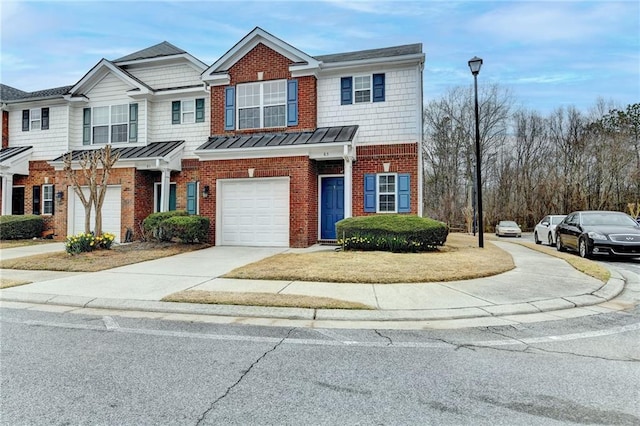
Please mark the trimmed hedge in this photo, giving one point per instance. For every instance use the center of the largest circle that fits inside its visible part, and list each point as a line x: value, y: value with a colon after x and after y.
x: 188, y: 229
x: 391, y: 232
x: 20, y: 226
x: 165, y: 226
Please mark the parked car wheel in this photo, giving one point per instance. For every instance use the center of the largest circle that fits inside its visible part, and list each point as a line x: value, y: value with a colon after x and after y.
x: 583, y: 249
x: 559, y: 245
x: 535, y: 238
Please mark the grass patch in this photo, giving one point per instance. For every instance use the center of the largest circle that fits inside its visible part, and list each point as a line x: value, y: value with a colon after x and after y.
x: 7, y: 283
x: 459, y: 259
x: 261, y: 299
x: 585, y: 266
x: 7, y: 244
x: 99, y: 260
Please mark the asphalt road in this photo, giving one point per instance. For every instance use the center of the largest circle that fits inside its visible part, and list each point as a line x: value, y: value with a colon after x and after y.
x: 68, y: 369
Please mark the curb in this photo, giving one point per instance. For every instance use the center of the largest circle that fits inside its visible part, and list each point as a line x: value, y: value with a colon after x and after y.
x: 611, y: 289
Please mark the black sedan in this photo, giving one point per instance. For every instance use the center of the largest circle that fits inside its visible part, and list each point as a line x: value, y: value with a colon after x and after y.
x: 599, y: 233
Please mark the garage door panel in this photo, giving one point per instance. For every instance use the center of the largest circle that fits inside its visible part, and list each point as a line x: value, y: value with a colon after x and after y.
x: 253, y: 212
x: 111, y: 212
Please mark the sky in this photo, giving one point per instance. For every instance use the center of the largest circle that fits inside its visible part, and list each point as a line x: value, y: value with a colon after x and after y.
x: 547, y: 54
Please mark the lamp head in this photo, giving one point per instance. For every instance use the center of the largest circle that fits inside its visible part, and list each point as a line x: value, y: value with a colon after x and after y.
x: 474, y: 65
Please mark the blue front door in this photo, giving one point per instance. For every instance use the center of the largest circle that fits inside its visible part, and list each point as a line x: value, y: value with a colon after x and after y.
x: 332, y: 206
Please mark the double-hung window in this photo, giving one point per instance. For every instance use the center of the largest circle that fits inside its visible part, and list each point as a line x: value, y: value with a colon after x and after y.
x: 262, y: 104
x: 187, y: 111
x: 110, y: 124
x: 387, y: 193
x: 362, y: 89
x: 35, y: 119
x: 47, y: 199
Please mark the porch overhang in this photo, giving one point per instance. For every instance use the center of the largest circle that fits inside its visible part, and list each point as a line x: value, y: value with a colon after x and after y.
x: 15, y: 160
x: 161, y: 156
x: 325, y: 143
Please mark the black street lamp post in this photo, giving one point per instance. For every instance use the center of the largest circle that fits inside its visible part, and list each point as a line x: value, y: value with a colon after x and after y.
x: 474, y: 64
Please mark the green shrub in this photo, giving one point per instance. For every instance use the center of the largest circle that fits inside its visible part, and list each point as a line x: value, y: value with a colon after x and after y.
x: 391, y: 232
x: 188, y: 229
x: 20, y: 226
x: 152, y: 224
x: 81, y: 243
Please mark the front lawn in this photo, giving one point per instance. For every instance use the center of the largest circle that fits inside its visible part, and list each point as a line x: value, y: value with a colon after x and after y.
x: 99, y: 260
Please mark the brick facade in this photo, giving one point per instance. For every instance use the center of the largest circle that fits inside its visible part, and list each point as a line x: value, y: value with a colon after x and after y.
x: 274, y: 66
x: 5, y: 129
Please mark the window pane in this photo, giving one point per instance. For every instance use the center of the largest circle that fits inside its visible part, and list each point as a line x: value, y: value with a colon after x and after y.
x: 360, y: 83
x: 47, y: 198
x: 248, y: 95
x: 249, y: 118
x: 100, y: 116
x: 189, y: 106
x: 119, y: 114
x: 275, y: 93
x: 101, y: 134
x: 387, y: 184
x: 387, y: 203
x: 363, y: 96
x: 274, y: 116
x: 119, y: 133
x: 362, y: 89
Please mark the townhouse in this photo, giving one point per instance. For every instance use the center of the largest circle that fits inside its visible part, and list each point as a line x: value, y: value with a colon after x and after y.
x: 272, y: 144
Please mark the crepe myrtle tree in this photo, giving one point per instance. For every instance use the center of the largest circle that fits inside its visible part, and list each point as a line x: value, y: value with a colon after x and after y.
x: 94, y: 170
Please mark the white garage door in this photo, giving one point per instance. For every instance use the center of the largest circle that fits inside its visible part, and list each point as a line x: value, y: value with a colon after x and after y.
x: 110, y: 212
x: 253, y: 212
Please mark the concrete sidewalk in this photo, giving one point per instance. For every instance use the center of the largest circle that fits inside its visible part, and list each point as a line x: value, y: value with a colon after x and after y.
x: 538, y: 286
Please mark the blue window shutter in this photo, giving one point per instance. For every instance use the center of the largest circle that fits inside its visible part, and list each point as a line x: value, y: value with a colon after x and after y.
x: 230, y: 108
x: 378, y: 88
x: 370, y: 193
x: 191, y: 197
x: 346, y: 90
x: 44, y: 124
x: 25, y: 120
x: 175, y: 112
x: 404, y: 193
x: 133, y: 122
x: 86, y: 126
x: 292, y: 102
x: 200, y: 110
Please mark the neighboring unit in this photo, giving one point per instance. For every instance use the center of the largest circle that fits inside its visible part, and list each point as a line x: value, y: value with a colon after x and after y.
x: 273, y: 145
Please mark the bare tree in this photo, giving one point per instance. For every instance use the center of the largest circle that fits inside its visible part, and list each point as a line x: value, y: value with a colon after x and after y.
x: 94, y: 167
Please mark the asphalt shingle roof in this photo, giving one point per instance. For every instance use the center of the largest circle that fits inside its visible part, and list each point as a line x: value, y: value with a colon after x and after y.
x: 385, y: 52
x: 8, y: 93
x: 337, y: 134
x: 161, y: 49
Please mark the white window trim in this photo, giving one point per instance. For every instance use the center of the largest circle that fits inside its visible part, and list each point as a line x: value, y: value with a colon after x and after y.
x: 261, y: 105
x: 44, y: 199
x: 370, y: 77
x: 183, y: 111
x: 110, y: 124
x: 380, y: 193
x: 32, y: 120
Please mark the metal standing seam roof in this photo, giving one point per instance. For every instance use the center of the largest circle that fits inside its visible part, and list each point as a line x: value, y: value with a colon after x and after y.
x: 337, y: 134
x: 12, y: 151
x: 153, y: 150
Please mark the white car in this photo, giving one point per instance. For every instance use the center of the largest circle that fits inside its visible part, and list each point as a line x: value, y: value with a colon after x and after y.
x: 545, y: 230
x: 508, y: 228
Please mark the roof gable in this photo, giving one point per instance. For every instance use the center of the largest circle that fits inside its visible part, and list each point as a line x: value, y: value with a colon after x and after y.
x: 98, y: 72
x: 249, y: 42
